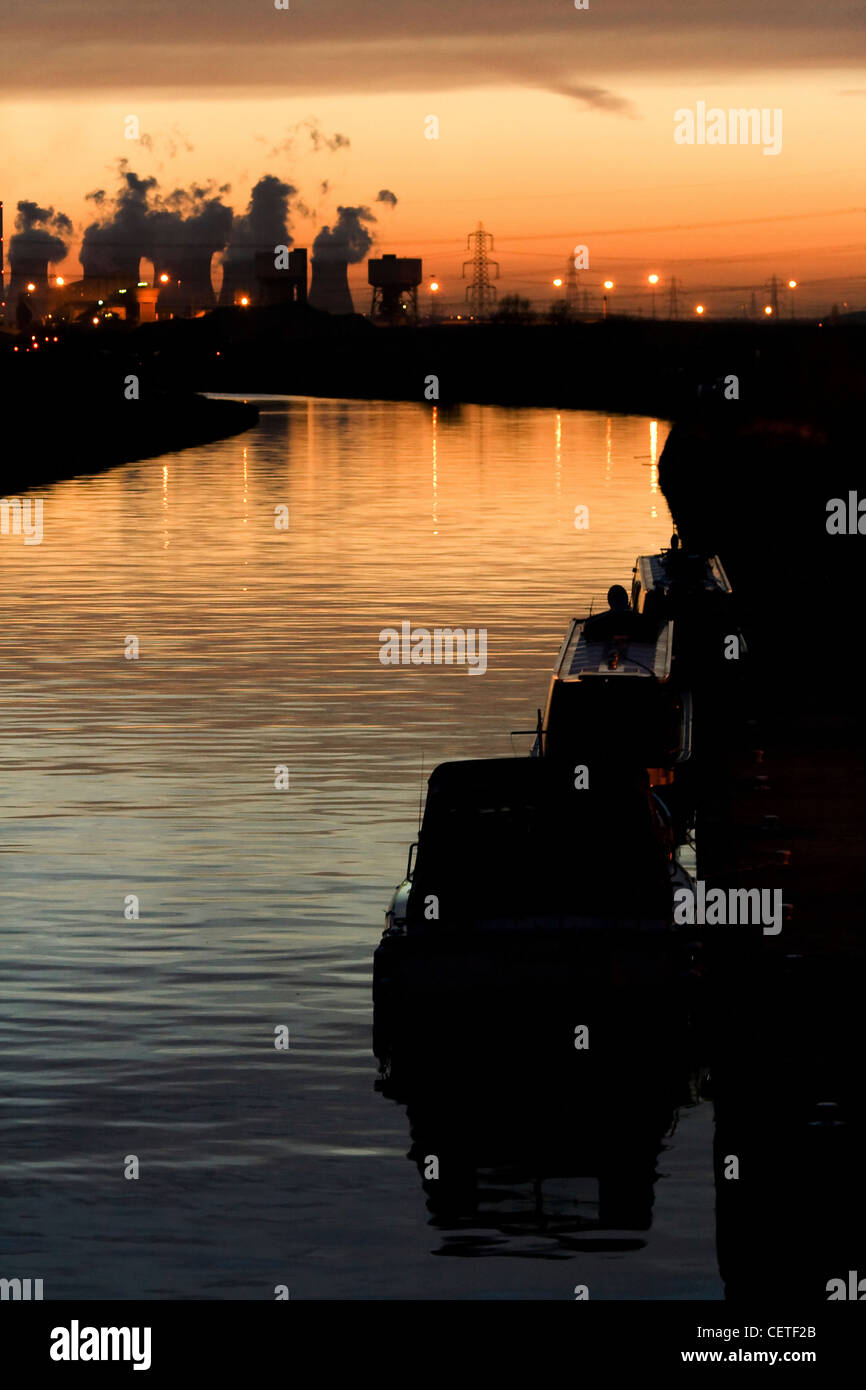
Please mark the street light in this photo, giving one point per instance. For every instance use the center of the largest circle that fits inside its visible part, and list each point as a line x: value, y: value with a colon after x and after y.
x: 652, y: 281
x: 30, y: 286
x: 608, y: 285
x: 60, y: 282
x: 699, y: 309
x: 768, y: 310
x: 163, y: 279
x: 558, y: 282
x: 792, y: 285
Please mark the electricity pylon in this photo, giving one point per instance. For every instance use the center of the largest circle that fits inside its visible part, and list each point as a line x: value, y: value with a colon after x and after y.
x: 480, y: 294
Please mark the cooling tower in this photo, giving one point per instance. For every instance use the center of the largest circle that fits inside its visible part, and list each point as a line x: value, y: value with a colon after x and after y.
x: 111, y: 261
x: 239, y: 279
x: 26, y: 270
x: 188, y: 288
x: 330, y: 287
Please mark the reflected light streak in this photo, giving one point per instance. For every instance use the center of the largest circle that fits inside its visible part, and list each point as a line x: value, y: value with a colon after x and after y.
x: 435, y: 471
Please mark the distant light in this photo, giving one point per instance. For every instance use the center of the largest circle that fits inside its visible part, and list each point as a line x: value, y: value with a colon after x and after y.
x: 60, y: 280
x: 699, y: 308
x: 54, y: 340
x: 31, y: 286
x: 792, y: 284
x: 653, y: 279
x: 142, y: 284
x: 608, y: 284
x: 768, y: 309
x: 163, y: 279
x: 558, y: 281
x: 121, y: 291
x: 94, y: 319
x: 434, y: 285
x: 244, y: 301
x: 100, y: 301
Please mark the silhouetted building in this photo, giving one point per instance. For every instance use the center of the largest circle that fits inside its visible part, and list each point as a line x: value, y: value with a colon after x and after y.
x: 395, y: 281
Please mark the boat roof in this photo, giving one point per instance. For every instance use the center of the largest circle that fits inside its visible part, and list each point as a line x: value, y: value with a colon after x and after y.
x: 579, y: 658
x: 508, y: 838
x: 655, y: 573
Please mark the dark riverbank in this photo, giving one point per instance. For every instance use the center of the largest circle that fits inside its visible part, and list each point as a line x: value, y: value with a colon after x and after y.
x: 782, y: 804
x: 635, y: 366
x: 79, y: 406
x: 71, y: 408
x: 629, y: 366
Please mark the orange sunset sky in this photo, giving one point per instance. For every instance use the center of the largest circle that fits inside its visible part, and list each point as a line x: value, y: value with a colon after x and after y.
x: 555, y: 128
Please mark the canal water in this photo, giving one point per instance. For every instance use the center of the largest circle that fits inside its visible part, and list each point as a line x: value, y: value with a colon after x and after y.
x: 188, y: 626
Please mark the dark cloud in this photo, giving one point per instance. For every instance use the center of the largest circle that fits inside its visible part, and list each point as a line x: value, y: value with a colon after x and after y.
x: 294, y: 144
x: 39, y: 233
x: 177, y: 227
x: 348, y: 239
x: 102, y: 46
x: 386, y: 196
x: 266, y: 222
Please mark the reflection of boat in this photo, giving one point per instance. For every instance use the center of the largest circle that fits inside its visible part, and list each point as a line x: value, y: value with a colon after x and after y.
x: 612, y: 694
x: 532, y: 898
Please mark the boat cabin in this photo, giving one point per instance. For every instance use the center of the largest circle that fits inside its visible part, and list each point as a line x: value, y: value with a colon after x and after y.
x: 665, y: 581
x: 511, y: 841
x: 611, y: 694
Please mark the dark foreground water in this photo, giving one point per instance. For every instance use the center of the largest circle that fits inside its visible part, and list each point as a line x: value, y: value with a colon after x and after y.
x: 259, y: 909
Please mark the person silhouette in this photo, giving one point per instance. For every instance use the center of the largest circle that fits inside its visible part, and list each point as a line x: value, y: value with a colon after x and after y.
x: 617, y: 621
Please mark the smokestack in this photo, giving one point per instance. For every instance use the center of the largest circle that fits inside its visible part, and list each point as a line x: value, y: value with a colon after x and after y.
x: 334, y: 250
x: 35, y: 243
x: 112, y: 248
x: 187, y: 233
x: 264, y: 226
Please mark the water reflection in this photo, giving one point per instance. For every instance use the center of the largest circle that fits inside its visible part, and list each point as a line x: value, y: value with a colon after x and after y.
x: 155, y: 777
